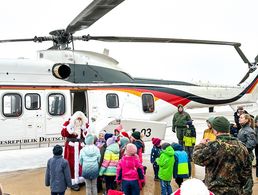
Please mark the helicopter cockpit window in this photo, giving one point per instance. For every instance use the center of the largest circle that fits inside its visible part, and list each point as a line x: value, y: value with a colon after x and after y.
x: 12, y: 105
x: 32, y: 101
x: 147, y: 103
x: 56, y: 104
x: 112, y: 100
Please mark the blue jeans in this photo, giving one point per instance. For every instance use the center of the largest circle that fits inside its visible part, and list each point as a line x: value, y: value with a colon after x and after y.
x: 57, y: 193
x: 130, y: 187
x: 166, y: 188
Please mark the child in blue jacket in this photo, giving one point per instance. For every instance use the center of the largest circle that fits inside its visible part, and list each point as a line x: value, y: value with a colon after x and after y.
x: 58, y: 175
x: 155, y: 152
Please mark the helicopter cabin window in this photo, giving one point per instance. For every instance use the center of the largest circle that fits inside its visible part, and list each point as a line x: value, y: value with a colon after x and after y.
x: 147, y: 103
x: 32, y: 101
x: 56, y: 104
x: 112, y: 100
x: 12, y: 105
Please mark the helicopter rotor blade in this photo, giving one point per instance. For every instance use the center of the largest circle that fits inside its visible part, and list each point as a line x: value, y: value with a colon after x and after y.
x: 245, y: 77
x: 91, y: 14
x: 155, y: 40
x: 35, y: 39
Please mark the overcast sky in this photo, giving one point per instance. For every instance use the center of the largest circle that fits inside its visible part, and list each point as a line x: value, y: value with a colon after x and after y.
x: 223, y: 20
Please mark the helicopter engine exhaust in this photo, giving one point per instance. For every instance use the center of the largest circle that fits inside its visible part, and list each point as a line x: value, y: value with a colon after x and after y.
x: 61, y: 71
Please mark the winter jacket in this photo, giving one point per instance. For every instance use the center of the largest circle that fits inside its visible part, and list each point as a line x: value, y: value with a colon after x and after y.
x: 155, y: 152
x: 189, y: 136
x: 130, y: 168
x: 247, y: 136
x: 166, y: 163
x: 89, y: 159
x: 58, y: 175
x: 182, y: 166
x: 110, y: 161
x: 228, y: 168
x: 180, y: 119
x: 208, y: 134
x: 140, y: 148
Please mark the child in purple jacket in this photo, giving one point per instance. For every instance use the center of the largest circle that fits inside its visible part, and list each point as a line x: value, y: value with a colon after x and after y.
x: 130, y: 171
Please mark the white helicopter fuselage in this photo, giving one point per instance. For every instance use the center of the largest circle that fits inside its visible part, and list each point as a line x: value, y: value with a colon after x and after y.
x: 35, y: 102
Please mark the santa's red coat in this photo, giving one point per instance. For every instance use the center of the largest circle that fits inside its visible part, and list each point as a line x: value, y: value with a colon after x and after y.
x: 69, y: 150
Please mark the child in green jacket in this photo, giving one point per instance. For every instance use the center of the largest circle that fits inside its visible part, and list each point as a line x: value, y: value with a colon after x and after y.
x: 166, y: 163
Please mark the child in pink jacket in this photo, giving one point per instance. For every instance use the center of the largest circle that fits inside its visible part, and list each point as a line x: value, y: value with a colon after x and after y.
x: 130, y: 171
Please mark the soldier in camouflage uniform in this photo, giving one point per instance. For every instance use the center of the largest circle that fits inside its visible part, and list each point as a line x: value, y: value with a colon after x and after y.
x: 227, y: 164
x: 179, y: 123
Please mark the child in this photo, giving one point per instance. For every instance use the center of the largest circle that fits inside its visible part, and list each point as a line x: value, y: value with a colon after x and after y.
x: 130, y: 171
x: 58, y: 175
x: 182, y: 166
x: 155, y: 151
x: 101, y: 139
x: 208, y: 133
x: 189, y: 139
x: 109, y: 164
x: 136, y: 140
x: 166, y: 163
x: 123, y: 141
x: 89, y: 159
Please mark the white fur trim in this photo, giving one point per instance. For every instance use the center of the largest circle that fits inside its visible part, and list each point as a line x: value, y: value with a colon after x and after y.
x: 194, y: 187
x: 76, y: 162
x: 79, y: 114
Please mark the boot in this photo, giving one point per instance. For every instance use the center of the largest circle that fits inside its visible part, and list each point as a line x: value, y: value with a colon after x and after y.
x: 75, y: 187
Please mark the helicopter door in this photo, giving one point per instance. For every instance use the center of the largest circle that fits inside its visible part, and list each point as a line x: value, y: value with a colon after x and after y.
x: 79, y: 101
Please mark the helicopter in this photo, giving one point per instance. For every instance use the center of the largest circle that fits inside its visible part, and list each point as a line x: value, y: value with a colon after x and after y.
x: 37, y: 96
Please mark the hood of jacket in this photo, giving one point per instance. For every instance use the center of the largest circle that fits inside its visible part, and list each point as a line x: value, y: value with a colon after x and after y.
x: 114, y: 148
x: 169, y: 151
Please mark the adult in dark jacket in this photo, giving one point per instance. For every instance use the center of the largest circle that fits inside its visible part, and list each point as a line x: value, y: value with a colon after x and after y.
x: 246, y: 134
x: 179, y: 123
x: 58, y: 175
x: 240, y: 110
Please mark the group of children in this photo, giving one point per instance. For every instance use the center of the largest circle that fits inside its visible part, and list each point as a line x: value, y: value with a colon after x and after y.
x: 169, y: 161
x: 114, y: 158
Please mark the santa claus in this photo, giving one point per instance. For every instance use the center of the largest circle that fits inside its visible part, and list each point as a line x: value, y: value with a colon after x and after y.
x: 75, y: 130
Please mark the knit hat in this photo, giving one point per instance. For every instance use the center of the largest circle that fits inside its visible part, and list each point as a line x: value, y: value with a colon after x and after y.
x: 118, y: 128
x: 130, y: 149
x: 102, y: 132
x: 108, y: 135
x: 89, y: 139
x: 210, y: 119
x: 156, y: 141
x: 136, y: 135
x: 177, y: 147
x: 125, y: 134
x: 220, y: 124
x: 111, y: 140
x: 57, y: 150
x: 189, y: 123
x: 164, y: 146
x: 124, y: 141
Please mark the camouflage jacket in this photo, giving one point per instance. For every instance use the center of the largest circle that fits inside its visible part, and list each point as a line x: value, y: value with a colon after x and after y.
x: 227, y: 166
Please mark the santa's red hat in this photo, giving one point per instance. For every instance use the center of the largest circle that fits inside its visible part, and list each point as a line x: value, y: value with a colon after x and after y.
x: 125, y: 134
